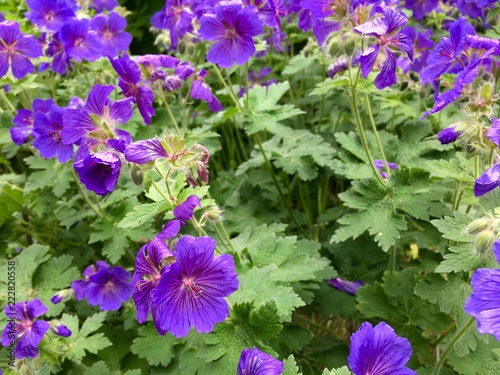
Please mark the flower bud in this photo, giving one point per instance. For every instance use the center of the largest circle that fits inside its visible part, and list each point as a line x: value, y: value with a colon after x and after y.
x: 335, y: 46
x: 484, y: 242
x: 350, y: 47
x: 477, y: 226
x: 137, y: 175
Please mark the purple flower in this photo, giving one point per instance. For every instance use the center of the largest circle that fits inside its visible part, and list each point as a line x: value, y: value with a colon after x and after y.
x: 380, y: 165
x: 184, y: 70
x: 152, y: 62
x: 192, y: 291
x: 150, y: 264
x: 28, y: 330
x: 493, y: 132
x: 16, y: 49
x: 185, y: 210
x: 200, y: 90
x: 57, y: 298
x: 142, y: 152
x: 256, y: 362
x: 62, y: 330
x: 49, y: 140
x: 386, y: 30
x: 60, y: 58
x: 345, y: 286
x: 98, y: 118
x: 421, y: 45
x: 49, y: 16
x: 232, y: 27
x: 488, y: 181
x: 379, y: 351
x: 108, y: 288
x: 79, y: 286
x: 421, y: 7
x: 100, y: 5
x: 448, y: 135
x: 24, y: 120
x: 99, y: 172
x: 109, y: 32
x: 176, y: 18
x: 466, y: 76
x: 446, y: 55
x: 79, y: 42
x: 130, y: 83
x: 484, y: 303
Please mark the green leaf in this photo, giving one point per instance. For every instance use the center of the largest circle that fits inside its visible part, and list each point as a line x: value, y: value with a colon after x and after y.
x: 245, y: 328
x: 327, y: 85
x: 11, y: 200
x: 482, y: 362
x: 141, y: 214
x: 256, y: 286
x: 449, y: 294
x: 80, y: 340
x: 340, y: 371
x: 98, y: 368
x: 53, y: 174
x: 453, y: 227
x: 450, y: 169
x: 153, y: 347
x: 291, y: 367
x: 298, y: 63
x: 461, y: 258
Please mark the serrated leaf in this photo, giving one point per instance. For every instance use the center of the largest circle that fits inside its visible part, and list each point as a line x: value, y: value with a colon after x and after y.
x: 153, y: 347
x: 453, y: 227
x: 461, y: 258
x: 291, y: 367
x: 339, y: 371
x: 141, y: 214
x: 298, y: 63
x: 329, y: 84
x: 449, y: 294
x: 98, y: 368
x: 482, y: 362
x: 450, y: 169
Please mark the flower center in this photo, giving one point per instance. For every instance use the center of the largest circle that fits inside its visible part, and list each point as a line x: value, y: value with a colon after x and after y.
x: 189, y: 284
x: 230, y: 33
x: 49, y: 16
x: 109, y: 285
x: 78, y: 42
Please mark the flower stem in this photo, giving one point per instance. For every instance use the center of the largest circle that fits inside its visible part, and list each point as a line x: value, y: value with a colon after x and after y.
x: 171, y: 115
x: 84, y: 195
x: 6, y: 100
x: 228, y: 89
x: 451, y: 345
x: 247, y: 88
x: 257, y: 139
x: 361, y: 132
x: 374, y: 128
x: 226, y: 235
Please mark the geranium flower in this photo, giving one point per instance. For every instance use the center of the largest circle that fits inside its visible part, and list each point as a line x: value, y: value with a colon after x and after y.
x: 484, y: 303
x: 16, y: 49
x: 48, y: 128
x: 233, y: 28
x: 421, y: 7
x: 99, y: 172
x: 28, y: 330
x: 388, y: 36
x: 25, y: 119
x: 129, y: 81
x: 192, y: 291
x: 79, y: 286
x: 493, y: 132
x: 448, y: 135
x: 49, y: 16
x: 200, y: 90
x: 256, y: 362
x: 379, y: 351
x: 79, y: 43
x: 175, y: 18
x: 185, y: 210
x: 488, y: 181
x: 109, y: 32
x: 345, y: 286
x: 144, y: 151
x: 149, y: 268
x: 108, y: 288
x: 60, y: 58
x: 98, y: 119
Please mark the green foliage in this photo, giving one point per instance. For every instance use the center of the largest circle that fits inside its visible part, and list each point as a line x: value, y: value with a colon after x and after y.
x: 154, y: 348
x: 84, y: 339
x: 340, y: 371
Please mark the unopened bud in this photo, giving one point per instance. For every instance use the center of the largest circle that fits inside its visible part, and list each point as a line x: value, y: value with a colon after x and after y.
x: 335, y: 46
x: 350, y: 47
x: 484, y: 241
x: 214, y: 214
x: 137, y: 175
x: 486, y: 91
x: 477, y: 226
x: 202, y: 172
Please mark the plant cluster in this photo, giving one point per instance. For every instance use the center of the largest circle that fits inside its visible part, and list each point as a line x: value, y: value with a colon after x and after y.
x: 288, y: 187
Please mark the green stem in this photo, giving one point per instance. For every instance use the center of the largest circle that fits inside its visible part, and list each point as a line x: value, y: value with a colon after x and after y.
x: 94, y: 196
x: 476, y: 166
x: 314, y: 324
x: 451, y: 345
x: 228, y: 89
x: 171, y: 115
x: 361, y: 132
x: 374, y: 128
x: 392, y: 259
x: 166, y: 182
x: 278, y: 187
x: 6, y: 100
x: 226, y: 235
x: 84, y: 195
x: 456, y: 196
x: 247, y: 88
x: 219, y: 234
x: 159, y: 191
